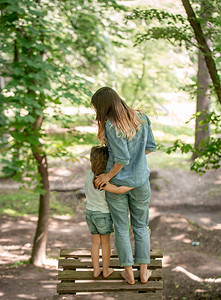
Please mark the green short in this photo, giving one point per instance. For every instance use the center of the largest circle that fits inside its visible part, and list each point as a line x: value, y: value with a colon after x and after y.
x: 99, y: 223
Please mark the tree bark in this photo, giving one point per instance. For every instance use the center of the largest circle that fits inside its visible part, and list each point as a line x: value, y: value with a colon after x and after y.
x: 38, y: 255
x: 203, y: 45
x: 15, y: 59
x: 202, y: 131
x: 140, y: 80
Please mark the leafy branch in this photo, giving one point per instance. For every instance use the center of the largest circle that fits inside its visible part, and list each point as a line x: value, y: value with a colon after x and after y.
x: 209, y: 151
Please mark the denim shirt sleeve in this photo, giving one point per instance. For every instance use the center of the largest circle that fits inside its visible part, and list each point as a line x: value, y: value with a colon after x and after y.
x: 151, y: 144
x: 117, y: 144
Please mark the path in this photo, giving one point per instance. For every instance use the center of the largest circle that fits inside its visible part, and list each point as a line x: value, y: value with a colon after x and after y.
x: 184, y: 209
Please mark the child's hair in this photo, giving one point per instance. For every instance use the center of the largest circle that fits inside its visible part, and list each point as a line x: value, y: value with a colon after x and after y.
x: 98, y: 158
x: 109, y: 105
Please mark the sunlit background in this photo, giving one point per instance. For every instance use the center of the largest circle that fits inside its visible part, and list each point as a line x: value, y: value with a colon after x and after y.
x: 54, y: 56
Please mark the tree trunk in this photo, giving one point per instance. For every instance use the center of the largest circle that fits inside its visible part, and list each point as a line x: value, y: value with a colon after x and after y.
x: 140, y: 79
x: 40, y: 240
x: 202, y: 132
x: 203, y: 45
x: 2, y: 83
x: 38, y: 255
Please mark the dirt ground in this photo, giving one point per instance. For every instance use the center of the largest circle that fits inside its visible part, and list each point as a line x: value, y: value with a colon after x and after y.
x: 185, y: 211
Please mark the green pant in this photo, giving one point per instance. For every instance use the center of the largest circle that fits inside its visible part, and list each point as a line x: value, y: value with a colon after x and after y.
x: 137, y: 201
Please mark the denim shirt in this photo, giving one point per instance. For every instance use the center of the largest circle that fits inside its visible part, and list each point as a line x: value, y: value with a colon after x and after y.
x: 130, y: 153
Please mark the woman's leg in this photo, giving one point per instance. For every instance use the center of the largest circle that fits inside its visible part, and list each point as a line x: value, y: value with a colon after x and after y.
x: 139, y: 209
x: 106, y: 252
x: 119, y: 212
x: 144, y: 273
x: 128, y: 274
x: 95, y: 246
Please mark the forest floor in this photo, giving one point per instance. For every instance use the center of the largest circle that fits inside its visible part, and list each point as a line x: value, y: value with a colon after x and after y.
x: 185, y: 208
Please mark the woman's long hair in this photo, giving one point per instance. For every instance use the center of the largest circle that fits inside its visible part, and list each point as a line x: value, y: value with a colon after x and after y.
x: 108, y: 105
x: 98, y: 158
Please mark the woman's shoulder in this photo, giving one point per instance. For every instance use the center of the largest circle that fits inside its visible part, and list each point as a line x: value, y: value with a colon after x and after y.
x: 144, y: 117
x: 108, y: 125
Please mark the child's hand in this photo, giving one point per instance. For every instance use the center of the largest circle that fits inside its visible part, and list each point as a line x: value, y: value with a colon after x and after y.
x: 101, y: 180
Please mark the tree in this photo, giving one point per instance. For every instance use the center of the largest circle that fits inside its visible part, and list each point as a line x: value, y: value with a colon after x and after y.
x: 202, y: 133
x: 204, y: 47
x: 176, y: 30
x: 44, y: 45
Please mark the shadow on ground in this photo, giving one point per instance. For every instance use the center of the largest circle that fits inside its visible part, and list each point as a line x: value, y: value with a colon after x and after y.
x: 184, y: 221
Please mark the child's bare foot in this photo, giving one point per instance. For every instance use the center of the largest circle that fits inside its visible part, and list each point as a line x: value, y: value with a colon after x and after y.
x: 145, y: 278
x: 108, y: 272
x: 129, y: 279
x: 97, y: 272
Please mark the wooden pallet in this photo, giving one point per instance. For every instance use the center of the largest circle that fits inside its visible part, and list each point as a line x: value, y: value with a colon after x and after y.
x: 76, y: 277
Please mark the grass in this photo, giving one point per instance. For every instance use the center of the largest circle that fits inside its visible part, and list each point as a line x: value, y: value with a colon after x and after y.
x: 78, y: 120
x: 161, y: 160
x: 75, y: 142
x: 21, y: 203
x: 25, y: 202
x: 173, y: 130
x: 20, y: 263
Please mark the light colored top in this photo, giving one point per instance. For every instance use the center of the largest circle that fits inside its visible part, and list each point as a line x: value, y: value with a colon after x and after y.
x: 95, y: 199
x: 130, y: 153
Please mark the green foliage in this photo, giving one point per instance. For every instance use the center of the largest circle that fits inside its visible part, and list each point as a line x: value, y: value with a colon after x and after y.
x: 209, y: 152
x: 25, y: 202
x: 211, y: 118
x: 48, y: 52
x: 176, y: 29
x: 64, y: 145
x: 171, y: 27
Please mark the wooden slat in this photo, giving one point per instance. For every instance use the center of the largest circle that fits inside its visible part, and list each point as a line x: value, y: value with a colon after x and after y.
x: 155, y: 253
x: 72, y: 287
x: 88, y: 275
x: 75, y: 263
x: 104, y: 296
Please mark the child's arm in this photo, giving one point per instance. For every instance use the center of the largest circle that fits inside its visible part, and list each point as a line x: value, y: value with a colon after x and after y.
x: 116, y: 189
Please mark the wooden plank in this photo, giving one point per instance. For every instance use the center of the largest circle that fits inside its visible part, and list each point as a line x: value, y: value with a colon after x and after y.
x: 104, y: 296
x: 75, y: 253
x: 70, y: 263
x: 72, y: 287
x: 70, y: 275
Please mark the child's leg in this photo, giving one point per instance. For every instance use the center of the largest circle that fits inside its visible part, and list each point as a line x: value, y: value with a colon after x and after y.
x: 106, y: 252
x: 95, y: 246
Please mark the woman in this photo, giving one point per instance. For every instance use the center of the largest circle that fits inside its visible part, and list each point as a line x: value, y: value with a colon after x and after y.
x: 128, y: 136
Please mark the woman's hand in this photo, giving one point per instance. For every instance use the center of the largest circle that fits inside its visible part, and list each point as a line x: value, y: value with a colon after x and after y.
x: 101, y: 180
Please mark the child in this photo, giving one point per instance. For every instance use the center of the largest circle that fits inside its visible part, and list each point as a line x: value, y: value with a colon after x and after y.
x: 97, y: 212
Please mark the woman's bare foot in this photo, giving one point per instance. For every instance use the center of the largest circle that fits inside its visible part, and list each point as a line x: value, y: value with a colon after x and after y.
x: 97, y: 272
x: 129, y: 279
x: 108, y: 272
x: 145, y: 278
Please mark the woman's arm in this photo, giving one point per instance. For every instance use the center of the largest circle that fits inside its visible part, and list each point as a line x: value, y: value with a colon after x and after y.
x: 104, y: 178
x: 119, y: 148
x: 116, y: 189
x: 151, y: 144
